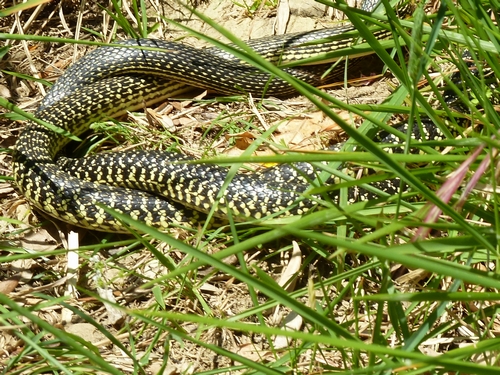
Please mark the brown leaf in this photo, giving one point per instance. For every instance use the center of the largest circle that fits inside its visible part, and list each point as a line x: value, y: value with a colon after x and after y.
x: 41, y: 240
x: 242, y: 140
x: 8, y: 286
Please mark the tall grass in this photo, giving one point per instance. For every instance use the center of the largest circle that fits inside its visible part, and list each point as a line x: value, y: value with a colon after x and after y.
x: 358, y: 316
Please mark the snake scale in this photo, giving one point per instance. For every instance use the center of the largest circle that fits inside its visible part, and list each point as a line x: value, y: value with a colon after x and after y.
x: 159, y: 188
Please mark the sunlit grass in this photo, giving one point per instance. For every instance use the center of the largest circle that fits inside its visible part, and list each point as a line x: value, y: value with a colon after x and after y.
x: 359, y: 316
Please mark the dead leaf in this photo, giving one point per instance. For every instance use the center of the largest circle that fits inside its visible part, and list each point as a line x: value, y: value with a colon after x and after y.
x: 23, y: 267
x: 242, y: 140
x: 413, y: 277
x: 253, y: 352
x: 293, y: 322
x: 8, y: 286
x: 86, y: 331
x: 282, y: 17
x: 41, y: 240
x: 6, y: 188
x: 115, y: 316
x: 5, y: 92
x: 159, y: 120
x: 304, y: 132
x: 291, y: 269
x: 183, y: 121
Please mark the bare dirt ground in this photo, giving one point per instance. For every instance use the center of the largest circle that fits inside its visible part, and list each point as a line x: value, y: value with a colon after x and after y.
x: 303, y: 128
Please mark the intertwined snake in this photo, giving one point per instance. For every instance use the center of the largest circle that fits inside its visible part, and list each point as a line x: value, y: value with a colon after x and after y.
x: 155, y: 187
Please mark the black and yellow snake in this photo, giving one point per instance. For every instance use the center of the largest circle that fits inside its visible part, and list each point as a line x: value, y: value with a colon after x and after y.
x: 157, y: 188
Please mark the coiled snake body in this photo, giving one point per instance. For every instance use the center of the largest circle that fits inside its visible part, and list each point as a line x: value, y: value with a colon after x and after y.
x: 112, y: 80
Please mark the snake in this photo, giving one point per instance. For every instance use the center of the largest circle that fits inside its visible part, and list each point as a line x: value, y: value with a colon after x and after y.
x: 161, y: 188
